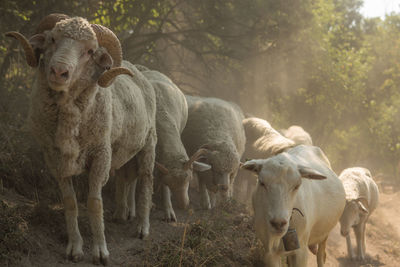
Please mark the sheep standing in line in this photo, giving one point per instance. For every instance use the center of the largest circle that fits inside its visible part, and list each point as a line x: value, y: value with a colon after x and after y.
x: 174, y: 167
x: 82, y: 126
x: 298, y: 135
x: 262, y: 141
x: 362, y: 198
x: 215, y: 125
x: 297, y: 190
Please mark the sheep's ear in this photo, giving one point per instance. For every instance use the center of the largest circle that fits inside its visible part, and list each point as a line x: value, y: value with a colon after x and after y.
x: 200, y: 166
x: 252, y: 165
x: 103, y: 59
x: 362, y: 208
x: 310, y: 173
x: 161, y: 168
x: 37, y: 41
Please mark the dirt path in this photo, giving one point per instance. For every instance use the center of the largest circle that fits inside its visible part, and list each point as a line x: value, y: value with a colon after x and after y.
x: 223, y: 237
x: 382, y: 238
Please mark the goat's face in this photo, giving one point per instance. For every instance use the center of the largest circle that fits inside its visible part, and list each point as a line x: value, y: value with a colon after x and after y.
x: 279, y: 180
x: 354, y: 212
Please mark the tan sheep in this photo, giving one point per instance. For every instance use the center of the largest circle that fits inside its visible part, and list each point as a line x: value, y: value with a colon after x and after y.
x: 81, y: 126
x: 362, y: 198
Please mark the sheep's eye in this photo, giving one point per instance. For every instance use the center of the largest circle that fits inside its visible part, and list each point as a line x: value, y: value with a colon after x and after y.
x: 90, y: 51
x: 52, y: 40
x: 296, y: 187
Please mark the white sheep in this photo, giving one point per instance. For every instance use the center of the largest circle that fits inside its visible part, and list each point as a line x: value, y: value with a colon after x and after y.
x: 362, y: 198
x: 298, y: 135
x: 283, y: 200
x: 175, y: 168
x: 82, y: 126
x: 262, y: 141
x: 216, y: 126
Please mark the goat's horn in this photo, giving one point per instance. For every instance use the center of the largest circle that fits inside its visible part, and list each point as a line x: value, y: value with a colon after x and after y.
x: 107, y: 77
x: 194, y: 157
x: 48, y: 22
x: 29, y: 53
x: 161, y: 167
x: 106, y: 38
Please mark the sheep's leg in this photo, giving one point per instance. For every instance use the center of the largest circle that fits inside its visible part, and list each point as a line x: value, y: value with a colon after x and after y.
x: 204, y: 197
x: 98, y: 176
x: 363, y: 249
x: 74, y: 248
x: 349, y: 248
x: 359, y: 231
x: 145, y: 161
x: 213, y: 199
x: 321, y: 254
x: 132, y: 200
x: 121, y: 196
x: 167, y: 205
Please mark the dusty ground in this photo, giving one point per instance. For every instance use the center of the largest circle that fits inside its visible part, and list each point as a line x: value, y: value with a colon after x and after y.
x: 33, y: 234
x: 382, y: 238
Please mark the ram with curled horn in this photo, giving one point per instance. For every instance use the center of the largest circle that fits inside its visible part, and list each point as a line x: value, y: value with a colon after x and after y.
x: 82, y: 126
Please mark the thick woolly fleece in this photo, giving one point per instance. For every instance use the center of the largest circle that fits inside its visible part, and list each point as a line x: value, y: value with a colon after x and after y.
x: 217, y: 125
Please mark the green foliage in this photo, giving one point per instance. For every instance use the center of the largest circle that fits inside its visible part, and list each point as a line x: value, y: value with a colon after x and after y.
x: 316, y: 63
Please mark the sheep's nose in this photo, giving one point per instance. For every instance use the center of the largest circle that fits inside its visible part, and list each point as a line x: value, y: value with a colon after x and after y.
x: 278, y: 224
x: 223, y: 187
x: 60, y: 73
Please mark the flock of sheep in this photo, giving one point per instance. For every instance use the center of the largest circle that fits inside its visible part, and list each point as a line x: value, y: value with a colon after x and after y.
x: 87, y: 116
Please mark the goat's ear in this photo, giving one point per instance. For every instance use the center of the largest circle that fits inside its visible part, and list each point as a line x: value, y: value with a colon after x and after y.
x: 362, y: 208
x: 200, y: 166
x: 252, y: 165
x: 310, y: 173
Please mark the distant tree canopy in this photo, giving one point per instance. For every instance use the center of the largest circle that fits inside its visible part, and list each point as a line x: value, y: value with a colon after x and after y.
x: 318, y: 64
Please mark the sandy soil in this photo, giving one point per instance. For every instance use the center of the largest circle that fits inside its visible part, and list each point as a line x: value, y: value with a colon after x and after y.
x: 382, y: 238
x: 223, y: 237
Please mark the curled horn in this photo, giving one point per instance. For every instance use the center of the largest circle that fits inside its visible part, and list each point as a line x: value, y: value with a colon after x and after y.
x: 106, y: 38
x: 107, y: 77
x: 194, y: 157
x: 162, y: 168
x: 47, y: 23
x: 29, y: 53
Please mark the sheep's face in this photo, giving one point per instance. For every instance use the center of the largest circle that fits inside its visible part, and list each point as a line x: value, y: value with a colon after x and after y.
x: 70, y: 54
x: 224, y: 161
x: 354, y: 212
x: 177, y: 178
x: 279, y: 180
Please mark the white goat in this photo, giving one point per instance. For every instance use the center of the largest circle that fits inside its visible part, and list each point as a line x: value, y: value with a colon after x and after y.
x: 298, y: 135
x: 175, y: 168
x: 284, y: 200
x: 362, y: 198
x: 81, y: 126
x: 216, y: 126
x: 262, y: 141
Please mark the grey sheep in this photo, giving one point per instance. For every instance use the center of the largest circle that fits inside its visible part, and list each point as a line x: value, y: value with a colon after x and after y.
x: 82, y: 126
x: 174, y: 167
x: 216, y: 126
